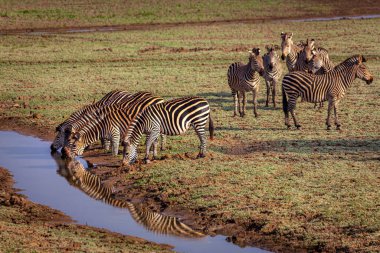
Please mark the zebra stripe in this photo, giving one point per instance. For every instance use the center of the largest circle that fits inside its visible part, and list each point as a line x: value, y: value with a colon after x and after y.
x: 172, y: 117
x: 331, y: 86
x: 79, y: 177
x: 290, y: 51
x: 109, y: 122
x: 272, y: 73
x: 73, y: 122
x: 243, y: 78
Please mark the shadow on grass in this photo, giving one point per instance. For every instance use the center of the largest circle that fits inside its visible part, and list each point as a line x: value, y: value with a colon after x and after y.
x: 345, y: 146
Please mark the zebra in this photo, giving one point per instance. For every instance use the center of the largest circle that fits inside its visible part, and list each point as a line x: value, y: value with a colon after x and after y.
x: 110, y: 98
x: 173, y: 117
x: 273, y: 72
x: 111, y: 122
x: 290, y: 51
x: 329, y: 87
x: 320, y: 64
x: 90, y: 184
x: 243, y: 78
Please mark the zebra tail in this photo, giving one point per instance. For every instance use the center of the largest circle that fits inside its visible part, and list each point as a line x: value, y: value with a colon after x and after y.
x: 211, y: 127
x: 284, y: 101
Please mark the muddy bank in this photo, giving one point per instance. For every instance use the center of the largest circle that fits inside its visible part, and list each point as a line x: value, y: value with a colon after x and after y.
x: 153, y: 26
x: 27, y: 225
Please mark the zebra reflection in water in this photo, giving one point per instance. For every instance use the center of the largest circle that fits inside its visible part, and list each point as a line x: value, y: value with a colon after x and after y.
x: 79, y: 177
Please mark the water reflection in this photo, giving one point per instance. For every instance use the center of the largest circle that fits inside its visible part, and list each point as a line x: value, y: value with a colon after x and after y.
x: 76, y: 175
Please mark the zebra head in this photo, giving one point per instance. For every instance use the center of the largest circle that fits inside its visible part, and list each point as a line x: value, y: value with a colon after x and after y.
x: 270, y: 59
x: 256, y: 61
x: 286, y: 44
x: 59, y: 138
x: 74, y: 146
x: 316, y: 64
x: 363, y: 72
x: 309, y: 50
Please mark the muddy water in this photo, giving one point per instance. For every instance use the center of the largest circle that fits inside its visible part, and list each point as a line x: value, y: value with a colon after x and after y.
x: 35, y: 171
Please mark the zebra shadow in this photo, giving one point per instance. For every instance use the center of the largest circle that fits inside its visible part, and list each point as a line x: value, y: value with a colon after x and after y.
x: 349, y: 147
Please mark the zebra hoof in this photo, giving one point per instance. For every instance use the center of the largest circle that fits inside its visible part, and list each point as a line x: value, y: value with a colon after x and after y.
x: 328, y: 128
x: 146, y: 160
x: 338, y: 127
x: 201, y: 155
x: 242, y: 114
x: 256, y: 115
x: 298, y: 127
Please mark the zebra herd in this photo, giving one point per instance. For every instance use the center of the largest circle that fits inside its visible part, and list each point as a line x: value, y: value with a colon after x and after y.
x: 124, y: 117
x: 312, y: 76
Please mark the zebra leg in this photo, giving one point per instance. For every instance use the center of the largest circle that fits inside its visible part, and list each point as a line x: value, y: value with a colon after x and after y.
x: 155, y: 144
x: 244, y: 102
x: 337, y: 123
x: 255, y: 91
x: 163, y: 142
x: 115, y: 145
x: 106, y: 144
x: 329, y: 109
x: 236, y: 100
x: 292, y: 108
x: 268, y: 92
x: 125, y: 148
x: 200, y: 130
x: 274, y: 94
x: 150, y: 139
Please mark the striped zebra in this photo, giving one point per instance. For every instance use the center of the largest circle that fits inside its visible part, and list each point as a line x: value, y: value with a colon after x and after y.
x: 90, y: 184
x: 272, y: 73
x: 290, y: 51
x: 110, y: 122
x: 243, y: 78
x: 329, y: 87
x: 110, y: 98
x: 320, y: 64
x: 172, y: 117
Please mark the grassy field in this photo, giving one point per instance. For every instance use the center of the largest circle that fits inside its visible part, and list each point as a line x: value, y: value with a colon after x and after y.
x: 318, y: 187
x: 60, y: 13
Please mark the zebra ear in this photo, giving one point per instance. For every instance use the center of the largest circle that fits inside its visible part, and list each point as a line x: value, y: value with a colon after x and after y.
x: 363, y: 59
x: 267, y: 47
x: 290, y: 35
x: 314, y: 52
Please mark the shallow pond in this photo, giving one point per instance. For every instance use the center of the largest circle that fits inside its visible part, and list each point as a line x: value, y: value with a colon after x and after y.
x: 38, y: 174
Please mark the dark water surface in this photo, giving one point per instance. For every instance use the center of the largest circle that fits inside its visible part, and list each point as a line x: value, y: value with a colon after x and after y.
x: 35, y: 171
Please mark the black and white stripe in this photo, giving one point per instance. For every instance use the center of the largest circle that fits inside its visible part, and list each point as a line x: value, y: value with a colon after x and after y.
x: 75, y: 120
x: 272, y: 73
x: 329, y: 87
x: 172, y: 117
x: 109, y: 122
x: 243, y: 78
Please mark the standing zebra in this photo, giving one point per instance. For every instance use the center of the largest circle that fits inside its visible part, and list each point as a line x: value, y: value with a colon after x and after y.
x: 110, y: 98
x: 320, y: 64
x: 172, y: 117
x: 243, y: 78
x: 111, y: 123
x: 273, y: 72
x: 79, y: 177
x: 331, y: 86
x: 290, y: 51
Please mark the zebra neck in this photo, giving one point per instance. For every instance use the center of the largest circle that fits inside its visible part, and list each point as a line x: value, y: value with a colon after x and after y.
x: 345, y: 73
x: 292, y: 57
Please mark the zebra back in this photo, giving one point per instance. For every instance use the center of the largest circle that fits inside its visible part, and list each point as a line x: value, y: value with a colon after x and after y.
x: 110, y: 122
x: 110, y: 98
x: 91, y: 184
x: 320, y: 62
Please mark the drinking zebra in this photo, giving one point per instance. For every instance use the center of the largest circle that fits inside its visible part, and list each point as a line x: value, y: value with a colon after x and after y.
x: 272, y: 73
x: 172, y: 117
x: 109, y: 122
x: 329, y: 87
x: 79, y: 177
x: 243, y: 78
x: 110, y: 98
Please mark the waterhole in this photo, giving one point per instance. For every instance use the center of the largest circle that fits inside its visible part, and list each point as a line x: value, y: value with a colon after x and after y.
x: 48, y: 180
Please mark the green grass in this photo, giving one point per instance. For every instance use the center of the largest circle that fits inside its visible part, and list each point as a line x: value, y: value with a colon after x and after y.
x: 43, y: 13
x: 315, y: 184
